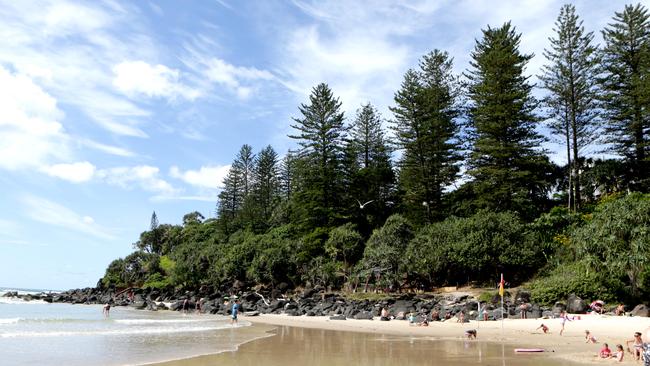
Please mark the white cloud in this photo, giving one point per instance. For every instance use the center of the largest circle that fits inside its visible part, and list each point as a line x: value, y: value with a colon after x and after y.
x: 30, y: 133
x: 210, y: 177
x: 113, y: 150
x: 239, y: 80
x: 144, y: 176
x: 139, y: 77
x: 70, y: 48
x: 75, y: 172
x: 52, y: 213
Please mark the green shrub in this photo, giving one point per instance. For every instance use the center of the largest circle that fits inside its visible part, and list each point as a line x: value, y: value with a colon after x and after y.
x: 157, y: 281
x: 576, y: 278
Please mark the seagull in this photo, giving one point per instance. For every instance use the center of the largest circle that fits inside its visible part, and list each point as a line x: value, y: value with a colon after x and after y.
x: 361, y: 206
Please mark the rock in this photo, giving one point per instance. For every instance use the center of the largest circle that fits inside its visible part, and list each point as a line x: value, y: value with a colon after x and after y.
x: 558, y: 308
x: 640, y: 310
x: 251, y: 313
x: 547, y: 314
x: 293, y: 312
x: 576, y: 305
x: 161, y: 306
x: 363, y: 315
x: 310, y: 313
x: 338, y: 317
x: 522, y: 297
x: 178, y: 305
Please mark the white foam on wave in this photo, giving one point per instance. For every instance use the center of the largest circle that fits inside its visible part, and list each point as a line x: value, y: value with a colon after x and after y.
x: 14, y: 300
x: 164, y: 321
x: 9, y: 320
x: 114, y: 332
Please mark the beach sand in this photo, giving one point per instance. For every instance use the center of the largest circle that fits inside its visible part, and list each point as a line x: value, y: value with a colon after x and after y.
x: 342, y: 340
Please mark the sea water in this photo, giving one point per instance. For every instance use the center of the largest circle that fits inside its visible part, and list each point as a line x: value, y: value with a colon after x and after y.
x: 39, y: 333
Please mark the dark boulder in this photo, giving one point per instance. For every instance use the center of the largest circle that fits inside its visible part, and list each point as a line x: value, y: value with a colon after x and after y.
x: 363, y: 315
x: 576, y: 305
x: 338, y: 317
x: 640, y: 310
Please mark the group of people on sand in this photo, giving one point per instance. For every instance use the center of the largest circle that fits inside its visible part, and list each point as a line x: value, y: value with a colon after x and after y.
x: 635, y: 346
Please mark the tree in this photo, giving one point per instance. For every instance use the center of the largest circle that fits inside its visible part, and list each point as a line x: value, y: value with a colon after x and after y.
x: 570, y: 78
x: 426, y: 130
x: 236, y: 187
x: 618, y: 238
x: 509, y: 172
x: 626, y: 84
x: 266, y: 186
x: 320, y: 134
x: 384, y: 252
x: 369, y: 174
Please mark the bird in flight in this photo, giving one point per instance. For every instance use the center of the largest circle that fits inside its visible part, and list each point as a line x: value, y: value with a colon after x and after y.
x: 361, y: 206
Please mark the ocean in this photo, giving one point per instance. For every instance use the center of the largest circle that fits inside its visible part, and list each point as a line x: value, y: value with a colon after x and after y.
x: 38, y: 333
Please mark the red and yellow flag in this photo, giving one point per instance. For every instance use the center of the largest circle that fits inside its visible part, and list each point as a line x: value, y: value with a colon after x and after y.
x: 501, y: 285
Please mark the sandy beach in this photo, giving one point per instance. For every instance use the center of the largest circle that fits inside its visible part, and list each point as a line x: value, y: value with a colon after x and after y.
x: 321, y: 341
x: 570, y: 346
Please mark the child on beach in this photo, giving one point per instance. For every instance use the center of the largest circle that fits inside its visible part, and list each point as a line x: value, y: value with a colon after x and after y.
x: 637, y: 343
x: 605, y: 352
x: 589, y: 338
x: 470, y: 334
x: 564, y: 317
x: 544, y: 328
x: 106, y: 310
x: 233, y: 312
x: 618, y: 356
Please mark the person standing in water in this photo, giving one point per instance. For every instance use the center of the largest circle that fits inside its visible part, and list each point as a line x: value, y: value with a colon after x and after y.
x: 233, y: 312
x: 106, y: 310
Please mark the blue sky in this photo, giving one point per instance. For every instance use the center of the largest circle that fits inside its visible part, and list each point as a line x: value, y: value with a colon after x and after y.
x: 111, y: 110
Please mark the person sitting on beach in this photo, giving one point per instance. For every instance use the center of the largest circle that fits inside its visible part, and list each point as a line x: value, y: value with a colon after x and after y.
x: 461, y: 317
x: 637, y: 343
x: 435, y: 316
x: 384, y: 315
x: 544, y: 328
x: 424, y: 322
x: 106, y: 310
x: 620, y: 310
x: 471, y: 334
x: 589, y: 338
x: 412, y: 319
x: 605, y: 352
x: 618, y: 356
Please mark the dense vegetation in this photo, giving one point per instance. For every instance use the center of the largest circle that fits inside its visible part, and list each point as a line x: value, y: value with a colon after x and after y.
x: 461, y: 190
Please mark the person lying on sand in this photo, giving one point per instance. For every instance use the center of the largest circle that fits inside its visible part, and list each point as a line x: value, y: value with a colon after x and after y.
x: 544, y: 328
x: 471, y: 334
x: 589, y: 338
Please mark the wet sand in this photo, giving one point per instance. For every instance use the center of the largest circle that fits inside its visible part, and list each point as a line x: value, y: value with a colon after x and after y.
x: 320, y: 341
x: 308, y: 346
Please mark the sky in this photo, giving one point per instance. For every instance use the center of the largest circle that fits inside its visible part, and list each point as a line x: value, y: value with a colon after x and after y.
x: 112, y: 110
